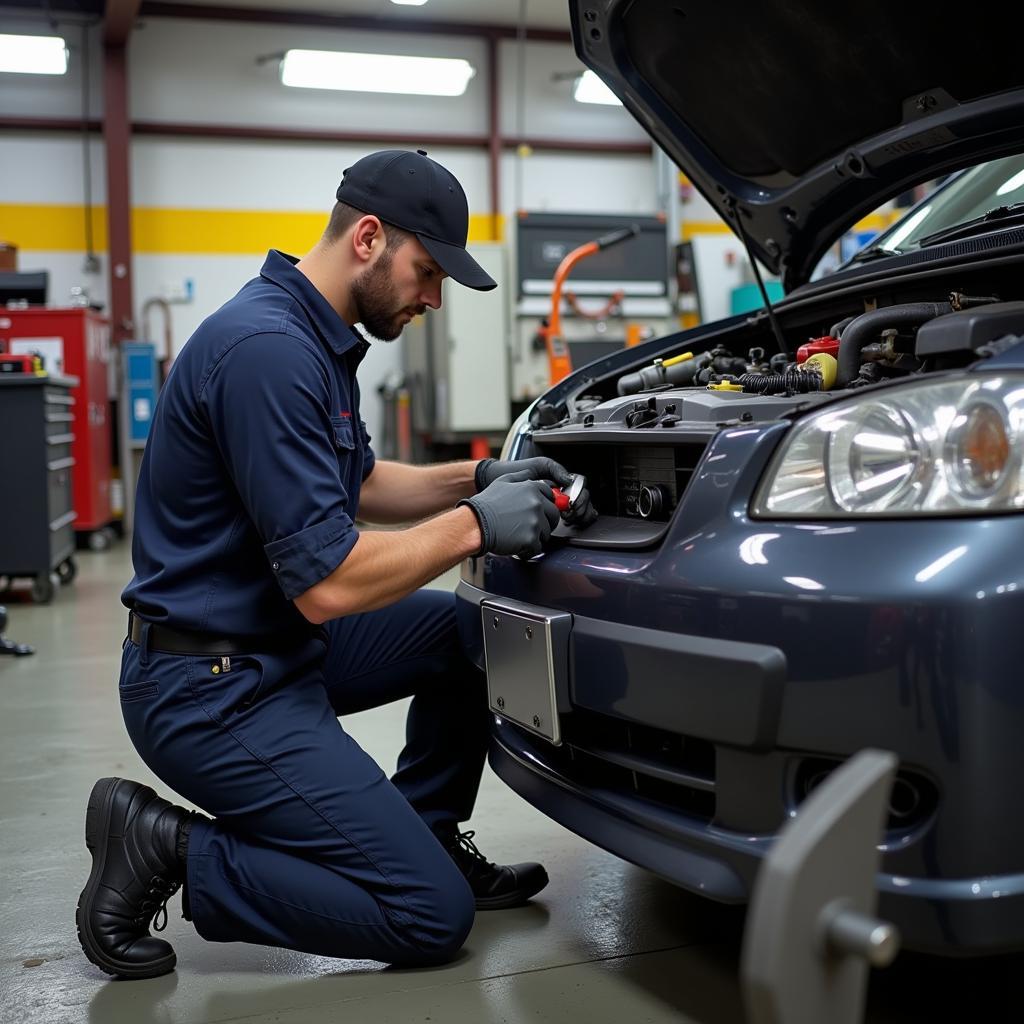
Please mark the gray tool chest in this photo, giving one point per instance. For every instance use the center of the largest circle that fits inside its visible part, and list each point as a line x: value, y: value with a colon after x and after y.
x: 37, y: 426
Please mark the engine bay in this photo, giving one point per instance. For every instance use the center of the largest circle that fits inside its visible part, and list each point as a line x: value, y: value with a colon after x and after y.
x: 638, y: 435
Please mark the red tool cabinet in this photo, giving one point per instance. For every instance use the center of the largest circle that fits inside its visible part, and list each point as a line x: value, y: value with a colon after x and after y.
x: 80, y: 337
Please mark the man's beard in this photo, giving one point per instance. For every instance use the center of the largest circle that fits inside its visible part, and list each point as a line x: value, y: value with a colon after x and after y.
x: 376, y: 300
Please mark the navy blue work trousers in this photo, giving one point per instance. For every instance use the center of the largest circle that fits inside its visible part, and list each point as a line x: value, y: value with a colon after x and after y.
x: 310, y: 846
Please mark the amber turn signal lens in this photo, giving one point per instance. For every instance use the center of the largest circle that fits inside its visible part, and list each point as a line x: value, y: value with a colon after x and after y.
x: 980, y: 451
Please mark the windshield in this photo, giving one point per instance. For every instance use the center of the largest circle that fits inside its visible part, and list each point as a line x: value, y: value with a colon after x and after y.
x: 969, y: 194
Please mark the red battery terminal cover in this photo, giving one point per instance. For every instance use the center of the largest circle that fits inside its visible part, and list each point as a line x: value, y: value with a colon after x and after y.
x: 815, y: 345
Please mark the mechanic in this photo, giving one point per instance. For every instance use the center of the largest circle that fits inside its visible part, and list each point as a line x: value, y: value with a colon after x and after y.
x: 259, y: 613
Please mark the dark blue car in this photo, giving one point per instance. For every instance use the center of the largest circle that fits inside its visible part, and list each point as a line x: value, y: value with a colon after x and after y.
x: 799, y: 554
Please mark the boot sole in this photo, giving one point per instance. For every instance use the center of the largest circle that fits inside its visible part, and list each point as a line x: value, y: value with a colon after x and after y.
x: 97, y: 826
x: 513, y: 899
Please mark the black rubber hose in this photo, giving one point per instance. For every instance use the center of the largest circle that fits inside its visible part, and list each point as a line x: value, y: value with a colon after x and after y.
x: 793, y: 381
x: 857, y: 334
x: 836, y: 331
x: 657, y: 376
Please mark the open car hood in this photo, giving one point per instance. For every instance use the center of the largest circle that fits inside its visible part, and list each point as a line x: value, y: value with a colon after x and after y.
x: 798, y: 118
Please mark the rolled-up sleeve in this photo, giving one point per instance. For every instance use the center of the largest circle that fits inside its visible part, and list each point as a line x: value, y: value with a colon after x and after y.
x: 307, y: 557
x: 268, y: 402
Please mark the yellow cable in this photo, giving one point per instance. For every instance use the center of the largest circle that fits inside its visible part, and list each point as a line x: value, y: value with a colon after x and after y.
x: 677, y: 359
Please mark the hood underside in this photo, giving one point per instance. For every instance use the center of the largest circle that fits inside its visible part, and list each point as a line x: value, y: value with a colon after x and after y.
x: 796, y: 119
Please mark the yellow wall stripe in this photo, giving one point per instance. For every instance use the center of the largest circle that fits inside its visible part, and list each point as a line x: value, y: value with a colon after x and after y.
x: 165, y: 230
x: 223, y: 232
x: 486, y: 227
x: 872, y: 222
x: 60, y: 228
x: 236, y: 232
x: 689, y: 228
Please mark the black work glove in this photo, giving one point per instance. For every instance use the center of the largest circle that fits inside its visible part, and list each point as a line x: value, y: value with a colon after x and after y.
x: 488, y: 470
x: 516, y: 515
x: 582, y: 514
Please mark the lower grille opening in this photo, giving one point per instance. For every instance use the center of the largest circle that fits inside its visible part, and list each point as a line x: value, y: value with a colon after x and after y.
x: 672, y: 771
x: 693, y: 802
x: 912, y: 800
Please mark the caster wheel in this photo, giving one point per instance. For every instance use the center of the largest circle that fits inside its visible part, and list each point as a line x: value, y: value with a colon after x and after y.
x: 67, y: 571
x: 43, y: 589
x: 98, y: 541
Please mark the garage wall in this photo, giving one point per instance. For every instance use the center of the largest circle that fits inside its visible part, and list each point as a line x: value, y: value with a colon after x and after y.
x: 206, y: 210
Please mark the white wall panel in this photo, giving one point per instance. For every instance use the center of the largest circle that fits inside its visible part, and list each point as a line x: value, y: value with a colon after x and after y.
x: 549, y: 110
x: 202, y: 174
x: 38, y: 168
x: 579, y: 183
x: 206, y: 71
x: 241, y: 175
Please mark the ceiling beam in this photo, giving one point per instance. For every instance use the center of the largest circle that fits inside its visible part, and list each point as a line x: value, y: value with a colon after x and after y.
x: 118, y: 18
x: 369, y: 23
x: 274, y: 134
x: 48, y: 124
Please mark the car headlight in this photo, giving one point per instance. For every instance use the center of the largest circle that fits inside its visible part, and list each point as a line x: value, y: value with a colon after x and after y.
x: 926, y: 448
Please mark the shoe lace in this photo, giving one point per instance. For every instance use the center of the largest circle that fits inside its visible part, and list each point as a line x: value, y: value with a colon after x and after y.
x: 155, y: 903
x: 464, y: 841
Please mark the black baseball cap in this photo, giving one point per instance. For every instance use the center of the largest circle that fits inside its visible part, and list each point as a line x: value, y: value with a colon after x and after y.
x: 420, y: 196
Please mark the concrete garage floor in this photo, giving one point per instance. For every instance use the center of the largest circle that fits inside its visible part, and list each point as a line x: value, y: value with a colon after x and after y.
x: 605, y: 942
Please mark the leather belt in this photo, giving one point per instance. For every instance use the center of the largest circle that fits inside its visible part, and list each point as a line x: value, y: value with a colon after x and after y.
x: 180, y: 641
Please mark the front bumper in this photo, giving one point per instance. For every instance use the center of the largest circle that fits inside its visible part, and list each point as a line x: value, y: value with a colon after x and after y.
x: 967, y: 917
x: 714, y: 678
x: 706, y: 825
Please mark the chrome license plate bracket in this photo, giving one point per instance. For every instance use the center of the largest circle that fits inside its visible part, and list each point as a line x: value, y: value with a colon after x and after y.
x: 526, y: 652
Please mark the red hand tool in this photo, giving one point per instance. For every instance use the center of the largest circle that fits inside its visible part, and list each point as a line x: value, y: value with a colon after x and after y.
x: 565, y: 500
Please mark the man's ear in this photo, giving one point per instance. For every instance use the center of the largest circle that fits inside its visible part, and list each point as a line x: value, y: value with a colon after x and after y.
x: 367, y: 237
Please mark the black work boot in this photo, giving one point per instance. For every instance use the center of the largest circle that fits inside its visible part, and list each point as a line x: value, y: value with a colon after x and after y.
x: 138, y: 844
x: 495, y: 886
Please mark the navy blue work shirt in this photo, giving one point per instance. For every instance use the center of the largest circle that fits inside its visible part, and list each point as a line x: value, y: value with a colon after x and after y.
x: 250, y: 480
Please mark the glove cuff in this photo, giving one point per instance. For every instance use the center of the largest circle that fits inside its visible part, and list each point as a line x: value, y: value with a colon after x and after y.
x: 486, y: 533
x: 480, y: 474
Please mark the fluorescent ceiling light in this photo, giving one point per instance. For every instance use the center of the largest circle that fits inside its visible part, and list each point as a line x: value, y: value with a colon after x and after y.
x: 33, y: 55
x: 409, y: 3
x: 376, y: 72
x: 590, y: 89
